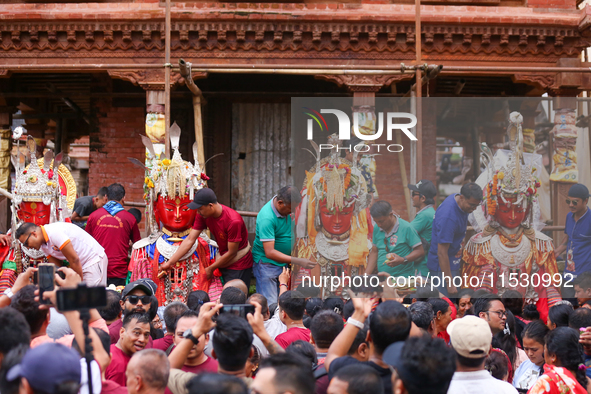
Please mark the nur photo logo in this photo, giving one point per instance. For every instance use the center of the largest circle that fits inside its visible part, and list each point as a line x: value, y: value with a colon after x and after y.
x: 392, y: 122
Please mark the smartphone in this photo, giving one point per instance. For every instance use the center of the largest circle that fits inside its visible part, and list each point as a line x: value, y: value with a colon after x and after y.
x: 239, y: 309
x: 81, y: 297
x: 46, y: 280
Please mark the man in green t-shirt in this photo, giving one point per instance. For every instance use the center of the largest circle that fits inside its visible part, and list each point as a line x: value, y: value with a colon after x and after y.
x: 273, y: 243
x: 396, y: 245
x: 423, y: 194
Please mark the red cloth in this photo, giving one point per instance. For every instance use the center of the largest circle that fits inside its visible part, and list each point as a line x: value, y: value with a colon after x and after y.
x: 114, y: 330
x: 292, y: 335
x: 114, y: 234
x: 229, y: 227
x: 210, y: 365
x: 110, y: 387
x: 543, y: 308
x: 116, y: 370
x: 163, y: 343
x: 444, y: 335
x: 454, y: 310
x: 557, y: 380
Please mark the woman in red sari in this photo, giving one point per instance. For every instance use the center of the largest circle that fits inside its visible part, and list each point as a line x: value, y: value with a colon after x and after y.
x: 564, y: 371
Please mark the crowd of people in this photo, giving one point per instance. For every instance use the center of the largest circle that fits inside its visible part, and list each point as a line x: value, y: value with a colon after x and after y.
x: 425, y: 343
x: 282, y: 336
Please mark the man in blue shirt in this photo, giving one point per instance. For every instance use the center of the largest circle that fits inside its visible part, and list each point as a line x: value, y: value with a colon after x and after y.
x: 449, y: 230
x: 577, y: 242
x: 272, y: 245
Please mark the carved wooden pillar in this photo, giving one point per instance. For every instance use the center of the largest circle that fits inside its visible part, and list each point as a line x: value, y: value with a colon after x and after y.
x: 5, y: 146
x: 565, y: 91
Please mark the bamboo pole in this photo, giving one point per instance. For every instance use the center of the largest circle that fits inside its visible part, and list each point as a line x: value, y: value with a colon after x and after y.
x: 185, y: 69
x: 167, y: 68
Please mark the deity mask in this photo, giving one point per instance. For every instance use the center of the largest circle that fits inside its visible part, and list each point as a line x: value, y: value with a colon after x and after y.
x: 174, y: 212
x: 336, y: 221
x: 510, y: 215
x: 169, y: 185
x: 34, y: 212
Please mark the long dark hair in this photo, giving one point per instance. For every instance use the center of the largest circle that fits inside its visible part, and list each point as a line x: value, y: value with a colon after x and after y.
x: 559, y: 314
x: 537, y: 331
x: 563, y: 342
x: 507, y: 341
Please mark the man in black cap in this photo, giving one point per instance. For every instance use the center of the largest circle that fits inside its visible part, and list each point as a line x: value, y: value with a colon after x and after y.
x: 423, y: 194
x: 229, y: 231
x: 577, y: 242
x: 135, y: 297
x: 50, y: 368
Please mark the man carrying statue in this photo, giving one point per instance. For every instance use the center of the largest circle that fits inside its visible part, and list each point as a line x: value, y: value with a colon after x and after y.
x: 174, y: 260
x: 44, y: 193
x: 509, y: 253
x: 333, y: 225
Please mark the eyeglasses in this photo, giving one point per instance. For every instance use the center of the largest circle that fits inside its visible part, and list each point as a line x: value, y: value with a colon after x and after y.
x: 575, y: 203
x: 133, y: 299
x: 26, y: 243
x: 500, y: 314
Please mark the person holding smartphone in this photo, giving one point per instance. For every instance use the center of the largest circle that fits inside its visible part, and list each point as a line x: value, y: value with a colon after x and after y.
x: 66, y: 241
x: 396, y: 244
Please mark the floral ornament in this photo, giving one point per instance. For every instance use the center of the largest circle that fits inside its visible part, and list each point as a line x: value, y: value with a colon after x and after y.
x: 32, y: 179
x: 204, y: 177
x: 166, y: 162
x: 149, y: 183
x: 491, y: 195
x: 50, y: 174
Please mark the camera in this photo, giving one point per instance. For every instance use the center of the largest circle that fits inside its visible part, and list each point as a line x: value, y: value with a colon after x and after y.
x: 81, y: 297
x: 239, y: 309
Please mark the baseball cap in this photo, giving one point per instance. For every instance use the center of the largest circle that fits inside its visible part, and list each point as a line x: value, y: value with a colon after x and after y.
x: 578, y: 190
x: 425, y: 187
x: 203, y: 197
x: 144, y: 284
x: 393, y: 354
x: 470, y: 336
x: 47, y: 366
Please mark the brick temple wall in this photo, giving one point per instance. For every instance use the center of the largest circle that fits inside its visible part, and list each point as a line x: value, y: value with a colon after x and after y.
x: 114, y: 138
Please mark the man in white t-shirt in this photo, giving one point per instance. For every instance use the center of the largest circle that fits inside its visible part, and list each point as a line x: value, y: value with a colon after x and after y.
x: 471, y: 338
x: 66, y: 241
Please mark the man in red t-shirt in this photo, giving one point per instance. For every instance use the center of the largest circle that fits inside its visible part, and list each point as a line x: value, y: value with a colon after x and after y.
x: 113, y: 227
x: 229, y: 231
x: 133, y: 338
x: 197, y: 361
x: 291, y: 312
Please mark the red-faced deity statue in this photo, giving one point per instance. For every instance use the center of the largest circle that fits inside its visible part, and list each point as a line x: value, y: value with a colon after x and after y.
x: 34, y: 212
x: 336, y: 221
x: 174, y: 213
x: 509, y: 215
